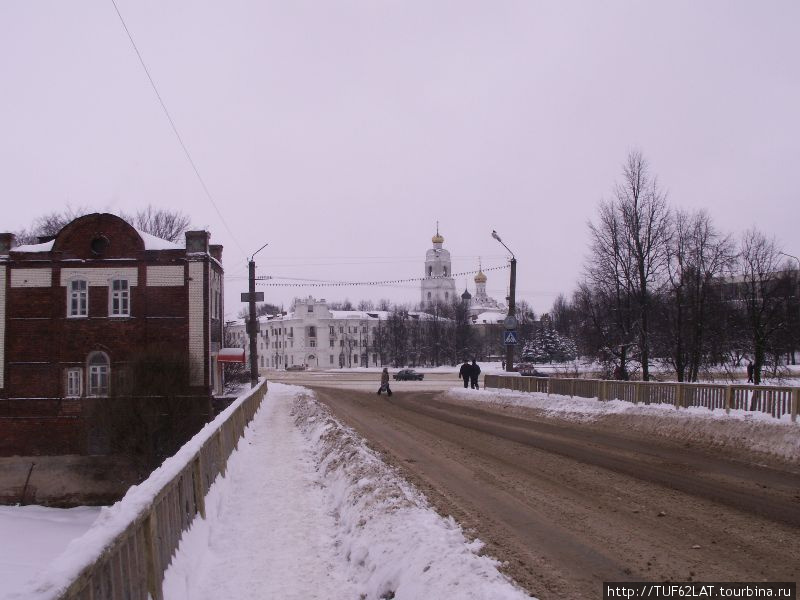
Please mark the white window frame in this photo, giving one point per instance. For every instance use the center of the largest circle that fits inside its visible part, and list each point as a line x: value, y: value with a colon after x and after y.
x: 124, y: 297
x: 99, y: 371
x: 76, y: 295
x: 74, y: 382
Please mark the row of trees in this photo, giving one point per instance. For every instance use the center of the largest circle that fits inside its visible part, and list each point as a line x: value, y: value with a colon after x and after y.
x: 663, y: 284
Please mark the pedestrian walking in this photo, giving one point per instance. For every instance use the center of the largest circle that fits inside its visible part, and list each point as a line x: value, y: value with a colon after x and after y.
x: 465, y: 372
x: 474, y: 372
x: 750, y: 370
x: 385, y: 383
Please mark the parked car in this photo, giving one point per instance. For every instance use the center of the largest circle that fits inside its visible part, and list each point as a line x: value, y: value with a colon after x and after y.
x: 528, y: 370
x: 296, y: 368
x: 408, y: 375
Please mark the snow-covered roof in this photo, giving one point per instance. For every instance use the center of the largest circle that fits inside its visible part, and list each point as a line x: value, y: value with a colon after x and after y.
x: 151, y: 242
x: 45, y: 247
x: 490, y: 317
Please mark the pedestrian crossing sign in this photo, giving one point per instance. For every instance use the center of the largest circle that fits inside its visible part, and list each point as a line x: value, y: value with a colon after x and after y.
x: 510, y: 338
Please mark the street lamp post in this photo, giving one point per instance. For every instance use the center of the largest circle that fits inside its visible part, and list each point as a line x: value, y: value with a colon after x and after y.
x: 511, y: 303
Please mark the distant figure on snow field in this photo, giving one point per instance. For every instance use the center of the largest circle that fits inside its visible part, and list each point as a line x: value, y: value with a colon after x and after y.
x: 465, y: 372
x: 385, y: 382
x: 750, y: 370
x: 474, y: 373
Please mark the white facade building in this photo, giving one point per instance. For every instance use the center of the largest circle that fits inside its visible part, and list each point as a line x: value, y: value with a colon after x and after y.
x: 313, y: 335
x: 438, y: 285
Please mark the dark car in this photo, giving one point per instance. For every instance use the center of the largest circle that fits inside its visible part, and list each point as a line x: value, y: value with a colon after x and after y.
x: 408, y: 375
x: 296, y: 368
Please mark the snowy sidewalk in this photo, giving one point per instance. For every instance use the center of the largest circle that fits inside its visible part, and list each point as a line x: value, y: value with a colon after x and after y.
x: 264, y: 535
x: 306, y: 510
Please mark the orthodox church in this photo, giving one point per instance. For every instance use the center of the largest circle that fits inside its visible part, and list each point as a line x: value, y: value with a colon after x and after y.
x: 439, y: 286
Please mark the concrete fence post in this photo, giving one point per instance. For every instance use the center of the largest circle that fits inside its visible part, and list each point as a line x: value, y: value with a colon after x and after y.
x: 728, y: 398
x: 678, y: 395
x: 795, y: 402
x: 637, y: 390
x: 571, y: 388
x: 547, y: 384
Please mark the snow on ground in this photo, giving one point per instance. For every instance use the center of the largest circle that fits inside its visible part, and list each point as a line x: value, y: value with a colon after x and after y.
x: 32, y: 536
x: 487, y: 368
x: 113, y: 520
x: 755, y: 431
x: 306, y: 510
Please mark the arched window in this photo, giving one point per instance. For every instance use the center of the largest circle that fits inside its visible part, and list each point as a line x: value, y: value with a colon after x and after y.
x: 430, y: 271
x: 98, y: 369
x: 429, y: 295
x: 447, y: 295
x: 445, y: 271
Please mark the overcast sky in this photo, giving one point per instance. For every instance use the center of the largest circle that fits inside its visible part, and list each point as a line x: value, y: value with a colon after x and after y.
x: 341, y: 131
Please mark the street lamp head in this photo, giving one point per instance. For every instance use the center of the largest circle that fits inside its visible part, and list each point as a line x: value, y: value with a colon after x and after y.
x: 495, y: 236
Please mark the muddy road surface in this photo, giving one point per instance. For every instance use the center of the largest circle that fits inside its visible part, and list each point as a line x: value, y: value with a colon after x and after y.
x: 566, y: 506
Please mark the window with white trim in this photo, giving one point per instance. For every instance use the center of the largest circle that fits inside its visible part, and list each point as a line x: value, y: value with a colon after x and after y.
x: 98, y: 369
x: 74, y: 383
x: 120, y: 298
x: 78, y: 298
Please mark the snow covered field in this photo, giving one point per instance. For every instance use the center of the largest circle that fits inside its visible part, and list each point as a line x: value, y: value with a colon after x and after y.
x: 740, y: 429
x: 32, y: 536
x: 306, y: 510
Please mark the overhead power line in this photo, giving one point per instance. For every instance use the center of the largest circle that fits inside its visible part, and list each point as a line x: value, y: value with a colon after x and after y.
x: 385, y: 282
x: 175, y: 129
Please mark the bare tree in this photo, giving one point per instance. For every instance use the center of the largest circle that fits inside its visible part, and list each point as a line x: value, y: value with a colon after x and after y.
x: 764, y: 289
x: 697, y: 256
x: 48, y: 225
x: 166, y: 224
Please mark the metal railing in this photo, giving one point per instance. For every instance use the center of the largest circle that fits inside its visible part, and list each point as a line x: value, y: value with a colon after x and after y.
x: 772, y: 400
x: 131, y: 566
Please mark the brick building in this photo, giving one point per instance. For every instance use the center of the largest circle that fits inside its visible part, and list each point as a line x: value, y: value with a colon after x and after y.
x: 76, y: 309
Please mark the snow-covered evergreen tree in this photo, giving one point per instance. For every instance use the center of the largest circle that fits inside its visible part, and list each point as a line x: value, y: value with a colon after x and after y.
x: 548, y: 346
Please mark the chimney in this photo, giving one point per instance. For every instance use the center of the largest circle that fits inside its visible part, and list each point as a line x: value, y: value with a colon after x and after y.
x: 216, y: 252
x: 7, y: 241
x: 197, y: 242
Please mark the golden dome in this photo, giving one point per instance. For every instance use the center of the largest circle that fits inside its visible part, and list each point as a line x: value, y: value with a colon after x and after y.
x: 437, y: 239
x: 480, y: 277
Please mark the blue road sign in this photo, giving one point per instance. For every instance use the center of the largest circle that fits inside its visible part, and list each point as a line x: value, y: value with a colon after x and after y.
x: 510, y: 338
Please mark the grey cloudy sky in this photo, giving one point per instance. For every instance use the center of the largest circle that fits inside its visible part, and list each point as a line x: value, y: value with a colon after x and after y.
x: 339, y: 132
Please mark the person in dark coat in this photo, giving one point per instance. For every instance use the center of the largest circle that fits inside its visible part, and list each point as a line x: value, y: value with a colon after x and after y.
x: 385, y: 383
x: 474, y: 372
x: 750, y: 370
x: 465, y: 372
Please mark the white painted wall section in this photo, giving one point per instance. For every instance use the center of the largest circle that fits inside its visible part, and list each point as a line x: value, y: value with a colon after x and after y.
x: 165, y: 276
x: 28, y: 278
x: 100, y: 276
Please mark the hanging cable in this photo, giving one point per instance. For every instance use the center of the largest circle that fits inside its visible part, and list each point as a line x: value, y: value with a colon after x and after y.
x: 175, y: 130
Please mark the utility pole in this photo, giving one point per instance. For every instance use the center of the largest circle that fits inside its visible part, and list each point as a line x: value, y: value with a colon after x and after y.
x: 252, y: 323
x: 512, y: 311
x: 510, y: 333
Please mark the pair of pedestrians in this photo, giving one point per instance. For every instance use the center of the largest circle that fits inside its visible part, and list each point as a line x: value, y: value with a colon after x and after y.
x: 469, y: 373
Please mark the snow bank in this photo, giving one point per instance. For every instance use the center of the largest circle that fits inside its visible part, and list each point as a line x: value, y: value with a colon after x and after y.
x: 396, y: 545
x: 755, y: 431
x: 113, y: 520
x: 32, y: 536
